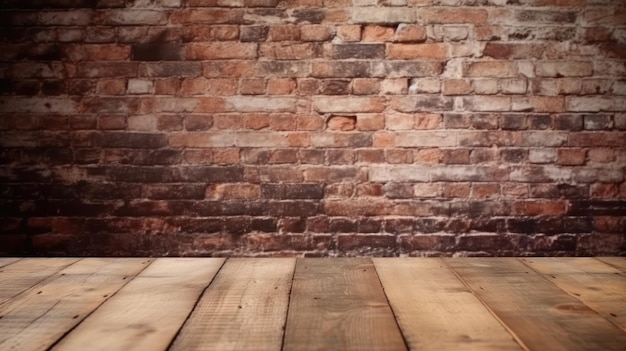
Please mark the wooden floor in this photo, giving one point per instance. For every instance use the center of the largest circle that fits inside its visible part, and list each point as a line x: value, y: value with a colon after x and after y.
x: 313, y: 304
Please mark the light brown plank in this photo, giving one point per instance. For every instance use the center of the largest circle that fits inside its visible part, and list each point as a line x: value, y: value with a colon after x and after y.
x: 24, y: 274
x: 39, y: 317
x: 542, y: 316
x: 339, y: 304
x: 5, y: 261
x: 148, y: 311
x: 436, y: 311
x: 619, y: 262
x: 244, y: 308
x: 596, y: 284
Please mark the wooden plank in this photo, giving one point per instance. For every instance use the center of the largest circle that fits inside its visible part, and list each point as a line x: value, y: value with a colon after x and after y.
x: 339, y: 304
x: 148, y: 311
x: 245, y: 307
x: 24, y: 274
x: 618, y: 262
x: 542, y: 316
x: 435, y: 310
x: 596, y: 284
x: 5, y: 261
x: 38, y: 318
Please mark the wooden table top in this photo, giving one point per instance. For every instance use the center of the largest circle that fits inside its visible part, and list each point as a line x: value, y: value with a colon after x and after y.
x: 312, y: 304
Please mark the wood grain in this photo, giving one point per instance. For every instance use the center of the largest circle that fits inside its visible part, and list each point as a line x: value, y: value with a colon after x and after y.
x: 596, y: 284
x: 148, y: 311
x: 436, y: 311
x: 618, y: 262
x: 244, y: 308
x: 542, y: 316
x: 36, y: 319
x: 5, y: 261
x: 338, y: 304
x: 26, y: 273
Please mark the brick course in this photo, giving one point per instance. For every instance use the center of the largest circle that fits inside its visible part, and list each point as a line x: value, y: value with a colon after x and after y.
x: 312, y: 128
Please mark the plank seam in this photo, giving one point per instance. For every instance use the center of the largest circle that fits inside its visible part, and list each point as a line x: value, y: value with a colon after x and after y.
x: 506, y: 327
x: 609, y: 264
x: 578, y: 298
x: 195, y: 305
x: 96, y: 308
x: 44, y: 280
x: 10, y: 263
x: 293, y: 276
x: 395, y: 317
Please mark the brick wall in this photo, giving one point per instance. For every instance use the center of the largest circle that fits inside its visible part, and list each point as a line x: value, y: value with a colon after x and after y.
x: 313, y: 127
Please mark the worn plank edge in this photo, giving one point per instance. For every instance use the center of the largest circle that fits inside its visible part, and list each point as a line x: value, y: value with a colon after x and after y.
x: 393, y: 312
x: 508, y: 329
x: 54, y: 344
x: 195, y: 305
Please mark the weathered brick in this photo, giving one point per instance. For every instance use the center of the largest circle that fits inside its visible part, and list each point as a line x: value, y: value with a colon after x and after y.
x: 348, y: 104
x: 564, y: 69
x: 422, y: 103
x: 417, y: 51
x: 254, y: 33
x: 545, y: 16
x: 443, y: 15
x: 220, y: 50
x: 490, y: 69
x: 384, y: 15
x: 358, y: 51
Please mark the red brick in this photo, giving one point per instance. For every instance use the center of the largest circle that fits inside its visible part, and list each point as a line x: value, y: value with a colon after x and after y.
x: 349, y: 33
x: 604, y: 191
x: 371, y: 122
x: 282, y: 122
x: 490, y: 69
x: 281, y: 51
x: 456, y: 87
x: 207, y: 16
x: 221, y: 50
x: 572, y: 157
x: 310, y: 122
x: 399, y: 156
x: 341, y: 123
x: 500, y: 51
x: 256, y: 121
x: 417, y: 51
x: 284, y: 33
x: 233, y: 191
x: 601, y: 155
x: 540, y: 208
x: 410, y: 33
x: 315, y: 32
x: 111, y: 87
x: 281, y: 86
x: 252, y: 86
x: 377, y: 33
x: 484, y: 191
x: 428, y: 156
x: 365, y: 86
x: 442, y: 15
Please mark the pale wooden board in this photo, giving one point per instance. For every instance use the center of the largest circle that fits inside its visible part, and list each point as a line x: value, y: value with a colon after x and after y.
x: 542, y: 316
x: 596, y: 284
x: 245, y: 307
x: 36, y: 319
x: 619, y: 262
x: 339, y: 304
x: 24, y: 274
x: 5, y: 261
x: 148, y: 312
x: 435, y: 310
